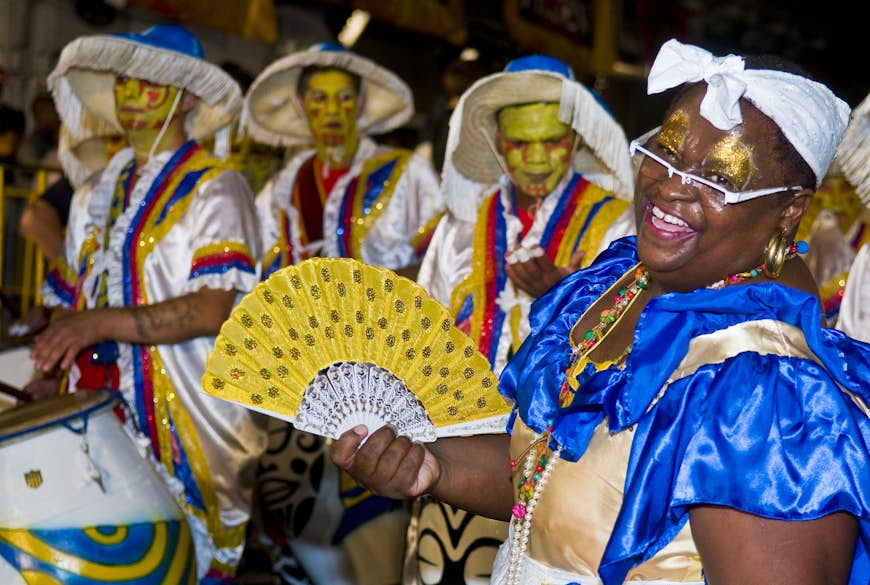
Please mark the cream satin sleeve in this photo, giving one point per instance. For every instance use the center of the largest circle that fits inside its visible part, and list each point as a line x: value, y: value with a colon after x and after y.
x: 854, y: 317
x: 448, y: 260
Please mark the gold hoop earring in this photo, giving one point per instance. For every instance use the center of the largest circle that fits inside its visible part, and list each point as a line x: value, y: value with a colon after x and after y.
x: 775, y: 254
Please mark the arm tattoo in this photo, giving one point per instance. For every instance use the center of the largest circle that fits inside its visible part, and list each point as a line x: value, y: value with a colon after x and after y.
x: 176, y: 313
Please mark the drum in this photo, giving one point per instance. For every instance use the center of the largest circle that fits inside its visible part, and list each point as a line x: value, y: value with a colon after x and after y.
x: 80, y: 504
x: 449, y: 546
x: 16, y: 370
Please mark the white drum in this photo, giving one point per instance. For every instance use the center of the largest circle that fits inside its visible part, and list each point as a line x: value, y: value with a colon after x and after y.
x: 80, y: 504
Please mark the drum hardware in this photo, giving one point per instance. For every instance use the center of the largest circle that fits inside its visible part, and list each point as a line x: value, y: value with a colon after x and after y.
x: 90, y: 466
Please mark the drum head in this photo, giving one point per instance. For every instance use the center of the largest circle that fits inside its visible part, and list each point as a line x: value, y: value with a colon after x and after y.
x: 40, y: 415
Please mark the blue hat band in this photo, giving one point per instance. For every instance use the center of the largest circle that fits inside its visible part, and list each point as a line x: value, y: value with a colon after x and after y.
x: 167, y: 36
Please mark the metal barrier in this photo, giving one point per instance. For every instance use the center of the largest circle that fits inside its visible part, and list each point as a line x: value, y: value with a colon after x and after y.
x: 28, y: 268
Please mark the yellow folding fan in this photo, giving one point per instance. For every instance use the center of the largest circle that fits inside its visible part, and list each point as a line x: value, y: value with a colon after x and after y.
x: 332, y: 343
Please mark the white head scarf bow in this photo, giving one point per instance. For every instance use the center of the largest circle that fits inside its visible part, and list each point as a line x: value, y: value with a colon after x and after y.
x: 810, y: 116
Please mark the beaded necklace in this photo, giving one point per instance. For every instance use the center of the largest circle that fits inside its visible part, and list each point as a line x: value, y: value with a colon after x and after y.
x: 538, y: 464
x: 791, y: 252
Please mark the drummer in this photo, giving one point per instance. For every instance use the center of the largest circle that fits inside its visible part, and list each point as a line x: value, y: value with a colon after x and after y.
x: 160, y: 243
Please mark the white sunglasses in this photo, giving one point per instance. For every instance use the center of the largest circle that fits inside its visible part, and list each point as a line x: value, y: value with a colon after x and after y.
x: 689, y: 178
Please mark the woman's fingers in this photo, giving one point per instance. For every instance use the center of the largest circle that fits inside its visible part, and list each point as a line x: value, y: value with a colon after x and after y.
x: 386, y: 464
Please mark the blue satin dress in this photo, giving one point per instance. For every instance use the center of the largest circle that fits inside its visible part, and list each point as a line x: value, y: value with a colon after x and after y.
x: 734, y: 397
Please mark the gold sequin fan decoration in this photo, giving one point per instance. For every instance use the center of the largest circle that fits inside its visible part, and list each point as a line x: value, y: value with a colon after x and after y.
x: 330, y: 337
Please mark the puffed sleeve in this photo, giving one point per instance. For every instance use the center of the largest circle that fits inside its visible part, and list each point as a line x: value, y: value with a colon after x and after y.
x: 777, y: 436
x: 224, y: 238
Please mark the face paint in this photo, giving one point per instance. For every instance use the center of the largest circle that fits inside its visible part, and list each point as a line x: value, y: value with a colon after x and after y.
x: 537, y: 147
x: 731, y: 162
x: 142, y: 106
x: 673, y: 134
x: 330, y: 103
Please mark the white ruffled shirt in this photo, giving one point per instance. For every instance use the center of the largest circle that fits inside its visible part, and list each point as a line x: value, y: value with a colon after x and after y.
x: 222, y: 210
x: 416, y: 200
x: 448, y: 260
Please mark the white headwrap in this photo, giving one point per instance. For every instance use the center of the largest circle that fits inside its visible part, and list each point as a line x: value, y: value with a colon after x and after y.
x: 810, y: 116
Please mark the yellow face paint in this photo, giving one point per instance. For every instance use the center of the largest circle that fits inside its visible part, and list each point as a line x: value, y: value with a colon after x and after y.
x: 731, y: 159
x: 536, y: 147
x: 330, y: 103
x: 142, y: 106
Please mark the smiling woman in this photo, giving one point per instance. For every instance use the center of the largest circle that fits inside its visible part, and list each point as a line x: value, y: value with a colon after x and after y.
x: 681, y: 414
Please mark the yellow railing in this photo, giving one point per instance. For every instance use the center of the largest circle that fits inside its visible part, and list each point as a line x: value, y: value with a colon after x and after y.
x: 27, y: 261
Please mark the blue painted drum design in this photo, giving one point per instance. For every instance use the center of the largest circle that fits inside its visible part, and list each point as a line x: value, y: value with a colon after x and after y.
x: 81, y: 505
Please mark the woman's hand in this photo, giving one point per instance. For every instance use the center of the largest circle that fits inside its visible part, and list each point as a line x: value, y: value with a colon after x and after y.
x: 388, y: 465
x: 471, y: 473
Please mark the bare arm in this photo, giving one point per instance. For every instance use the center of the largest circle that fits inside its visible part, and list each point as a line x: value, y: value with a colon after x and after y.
x: 471, y: 473
x: 41, y: 222
x: 171, y: 321
x: 741, y: 549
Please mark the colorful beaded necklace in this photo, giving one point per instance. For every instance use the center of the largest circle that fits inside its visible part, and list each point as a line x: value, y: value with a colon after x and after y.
x: 793, y: 250
x: 538, y: 464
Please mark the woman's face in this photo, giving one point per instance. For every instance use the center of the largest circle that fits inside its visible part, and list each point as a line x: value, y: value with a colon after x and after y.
x: 688, y: 237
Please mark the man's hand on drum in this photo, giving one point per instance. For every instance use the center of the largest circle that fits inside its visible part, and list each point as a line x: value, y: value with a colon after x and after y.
x: 66, y: 336
x: 538, y: 274
x: 388, y: 465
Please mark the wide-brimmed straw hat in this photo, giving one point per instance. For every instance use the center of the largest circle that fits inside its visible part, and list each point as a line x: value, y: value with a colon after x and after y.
x: 538, y: 79
x: 853, y: 154
x: 271, y: 116
x: 83, y: 81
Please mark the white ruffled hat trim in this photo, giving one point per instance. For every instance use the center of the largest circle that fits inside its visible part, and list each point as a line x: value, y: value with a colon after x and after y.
x: 82, y: 85
x: 270, y: 115
x: 470, y: 163
x: 80, y: 158
x: 810, y: 116
x: 853, y: 154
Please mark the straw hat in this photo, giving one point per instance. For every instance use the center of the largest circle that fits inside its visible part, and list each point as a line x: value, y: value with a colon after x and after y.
x: 536, y: 79
x: 271, y: 116
x: 853, y: 153
x: 83, y: 82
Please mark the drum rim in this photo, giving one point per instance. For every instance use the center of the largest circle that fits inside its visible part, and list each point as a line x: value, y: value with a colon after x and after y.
x: 103, y: 398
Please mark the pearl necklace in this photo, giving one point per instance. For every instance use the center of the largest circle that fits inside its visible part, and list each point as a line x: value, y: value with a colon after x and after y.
x: 537, y: 469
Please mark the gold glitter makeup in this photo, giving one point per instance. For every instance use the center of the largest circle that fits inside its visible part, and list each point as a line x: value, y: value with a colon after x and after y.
x: 674, y: 131
x: 732, y: 159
